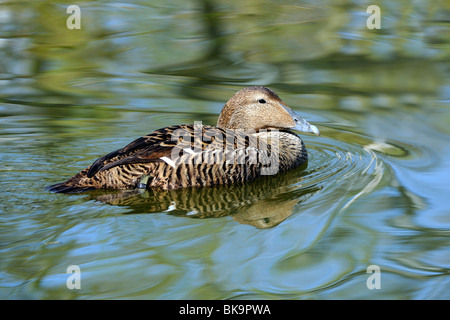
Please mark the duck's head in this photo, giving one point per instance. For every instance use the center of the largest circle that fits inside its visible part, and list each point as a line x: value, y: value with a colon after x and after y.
x: 261, y: 108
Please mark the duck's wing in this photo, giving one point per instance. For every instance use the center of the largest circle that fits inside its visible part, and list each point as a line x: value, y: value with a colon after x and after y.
x: 161, y: 144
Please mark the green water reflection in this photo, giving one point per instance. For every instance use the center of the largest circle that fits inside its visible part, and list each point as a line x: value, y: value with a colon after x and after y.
x: 375, y: 190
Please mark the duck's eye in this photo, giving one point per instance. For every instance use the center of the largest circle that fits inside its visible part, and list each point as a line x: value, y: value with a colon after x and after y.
x: 262, y: 101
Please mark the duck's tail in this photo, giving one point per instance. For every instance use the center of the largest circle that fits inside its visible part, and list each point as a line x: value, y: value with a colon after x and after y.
x: 78, y: 183
x: 66, y: 187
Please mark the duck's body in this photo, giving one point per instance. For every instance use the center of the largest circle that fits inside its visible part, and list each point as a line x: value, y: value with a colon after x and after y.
x: 252, y: 139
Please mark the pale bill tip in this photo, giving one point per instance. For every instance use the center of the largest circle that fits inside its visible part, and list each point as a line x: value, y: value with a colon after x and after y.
x: 314, y: 130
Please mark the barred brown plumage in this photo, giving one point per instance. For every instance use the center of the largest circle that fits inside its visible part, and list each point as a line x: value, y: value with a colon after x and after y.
x: 251, y: 139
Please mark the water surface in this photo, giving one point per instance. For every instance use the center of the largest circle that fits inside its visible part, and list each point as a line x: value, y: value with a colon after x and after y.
x: 375, y: 191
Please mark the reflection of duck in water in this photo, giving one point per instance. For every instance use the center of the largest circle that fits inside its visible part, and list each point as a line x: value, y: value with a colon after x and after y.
x: 263, y: 203
x: 252, y: 139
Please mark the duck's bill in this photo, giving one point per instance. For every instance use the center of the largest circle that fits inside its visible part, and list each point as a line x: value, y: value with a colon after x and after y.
x: 305, y: 126
x: 301, y: 124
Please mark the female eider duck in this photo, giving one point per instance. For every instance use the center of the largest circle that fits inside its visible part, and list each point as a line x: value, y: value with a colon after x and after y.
x: 253, y: 138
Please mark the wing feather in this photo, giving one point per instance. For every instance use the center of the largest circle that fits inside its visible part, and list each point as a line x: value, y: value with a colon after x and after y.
x: 161, y: 143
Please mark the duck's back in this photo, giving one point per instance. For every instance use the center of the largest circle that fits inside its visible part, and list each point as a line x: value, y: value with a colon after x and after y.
x: 183, y: 156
